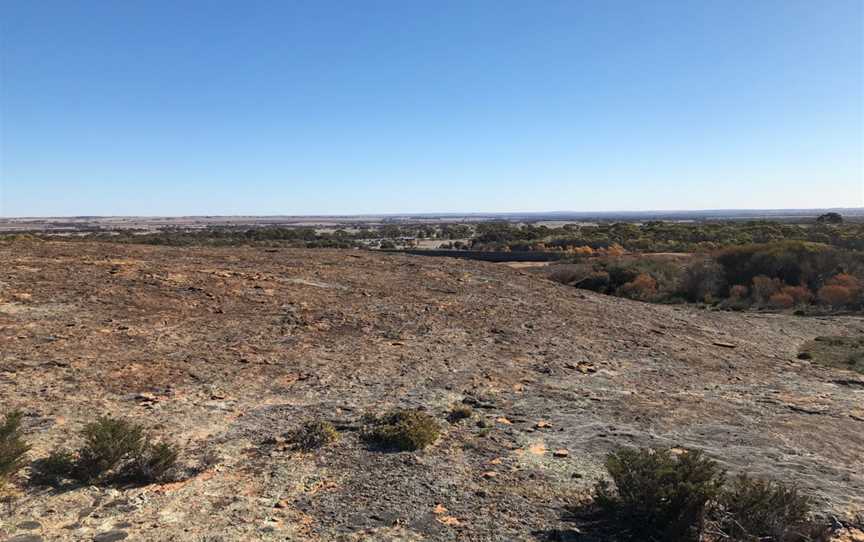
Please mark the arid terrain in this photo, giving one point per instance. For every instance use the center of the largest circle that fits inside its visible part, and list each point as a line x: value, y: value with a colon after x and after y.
x: 227, y: 350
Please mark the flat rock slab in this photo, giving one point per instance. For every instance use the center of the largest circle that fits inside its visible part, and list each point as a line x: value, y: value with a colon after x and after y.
x: 227, y: 350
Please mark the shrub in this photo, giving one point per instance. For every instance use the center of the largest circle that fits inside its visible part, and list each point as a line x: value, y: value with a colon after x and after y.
x: 313, y: 435
x: 738, y: 300
x: 615, y: 250
x: 757, y: 510
x: 459, y: 413
x: 844, y: 279
x: 850, y: 282
x: 52, y: 470
x: 596, y: 282
x: 583, y: 251
x: 739, y: 291
x: 700, y: 280
x: 836, y: 295
x: 792, y: 262
x: 404, y: 430
x: 154, y: 463
x: 113, y: 450
x: 658, y: 495
x: 801, y: 295
x: 108, y: 442
x: 620, y: 274
x: 643, y: 287
x: 781, y: 300
x: 764, y: 287
x: 12, y: 446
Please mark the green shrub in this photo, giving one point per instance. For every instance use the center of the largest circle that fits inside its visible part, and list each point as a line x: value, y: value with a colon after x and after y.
x: 52, y: 470
x: 113, y: 450
x: 759, y: 510
x: 12, y: 446
x: 658, y: 495
x: 403, y: 430
x: 313, y: 435
x: 108, y: 442
x: 154, y: 463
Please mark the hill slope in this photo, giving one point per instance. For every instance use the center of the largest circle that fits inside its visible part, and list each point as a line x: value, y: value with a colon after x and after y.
x: 226, y: 350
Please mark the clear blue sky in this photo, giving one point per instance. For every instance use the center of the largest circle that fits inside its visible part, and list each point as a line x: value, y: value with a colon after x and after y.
x: 290, y: 107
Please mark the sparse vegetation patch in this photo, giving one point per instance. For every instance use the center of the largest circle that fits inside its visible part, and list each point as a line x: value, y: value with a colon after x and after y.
x: 402, y: 430
x: 114, y: 450
x: 754, y: 510
x: 13, y: 448
x: 659, y: 495
x: 313, y: 435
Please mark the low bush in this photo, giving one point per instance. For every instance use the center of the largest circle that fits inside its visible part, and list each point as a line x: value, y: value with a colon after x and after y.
x: 841, y: 290
x: 54, y: 469
x: 643, y: 288
x: 756, y: 510
x: 459, y: 412
x: 313, y: 435
x: 765, y: 287
x: 13, y: 448
x: 658, y: 495
x: 801, y: 295
x: 108, y: 442
x: 836, y: 296
x: 154, y: 463
x: 402, y: 430
x: 701, y: 280
x: 781, y: 300
x: 598, y: 281
x: 113, y: 450
x: 846, y: 280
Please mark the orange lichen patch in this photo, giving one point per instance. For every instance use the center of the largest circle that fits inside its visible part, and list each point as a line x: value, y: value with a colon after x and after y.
x: 538, y: 448
x: 849, y: 535
x: 448, y: 520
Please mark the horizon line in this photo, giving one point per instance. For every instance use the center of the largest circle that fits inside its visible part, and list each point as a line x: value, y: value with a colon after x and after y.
x: 448, y: 213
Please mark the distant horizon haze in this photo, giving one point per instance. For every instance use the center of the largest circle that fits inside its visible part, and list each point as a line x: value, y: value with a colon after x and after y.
x: 373, y: 107
x: 551, y: 215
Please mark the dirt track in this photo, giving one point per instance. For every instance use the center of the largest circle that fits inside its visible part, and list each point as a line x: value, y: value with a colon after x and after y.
x: 227, y: 349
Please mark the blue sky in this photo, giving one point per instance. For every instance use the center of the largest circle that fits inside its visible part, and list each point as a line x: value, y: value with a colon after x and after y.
x: 318, y: 107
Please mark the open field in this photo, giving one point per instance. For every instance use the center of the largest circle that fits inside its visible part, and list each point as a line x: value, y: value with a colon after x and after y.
x: 228, y: 349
